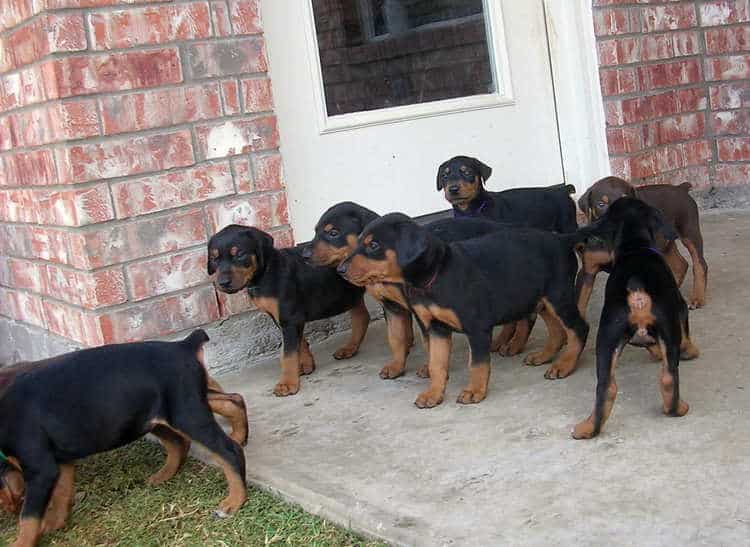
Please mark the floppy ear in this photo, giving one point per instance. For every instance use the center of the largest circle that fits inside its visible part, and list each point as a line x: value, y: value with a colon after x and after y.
x: 440, y: 184
x: 265, y: 248
x: 210, y: 267
x: 583, y: 203
x: 411, y: 245
x: 657, y: 223
x: 485, y: 171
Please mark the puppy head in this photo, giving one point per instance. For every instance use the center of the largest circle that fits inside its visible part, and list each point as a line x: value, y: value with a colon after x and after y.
x: 632, y: 219
x: 597, y: 199
x: 337, y: 232
x: 237, y: 254
x: 388, y: 250
x: 12, y: 487
x: 462, y: 178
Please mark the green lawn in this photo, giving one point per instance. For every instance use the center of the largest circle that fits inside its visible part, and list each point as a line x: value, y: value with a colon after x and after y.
x: 115, y: 506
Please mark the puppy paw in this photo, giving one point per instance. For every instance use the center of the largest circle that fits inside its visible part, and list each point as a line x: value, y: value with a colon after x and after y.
x: 307, y: 368
x: 682, y: 409
x: 535, y: 359
x: 468, y: 397
x: 345, y: 352
x: 423, y: 371
x: 559, y: 370
x: 392, y: 371
x: 583, y: 430
x: 696, y: 303
x: 284, y: 389
x: 510, y: 349
x: 429, y: 399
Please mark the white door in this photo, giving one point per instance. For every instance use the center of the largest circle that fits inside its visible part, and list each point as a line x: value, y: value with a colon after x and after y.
x: 372, y: 95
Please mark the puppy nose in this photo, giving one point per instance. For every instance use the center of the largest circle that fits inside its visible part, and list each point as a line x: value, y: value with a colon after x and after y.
x: 342, y: 267
x: 307, y: 252
x: 225, y: 283
x: 453, y: 188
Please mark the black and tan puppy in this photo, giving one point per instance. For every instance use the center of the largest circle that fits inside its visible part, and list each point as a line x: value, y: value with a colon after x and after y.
x: 78, y: 404
x: 642, y: 306
x: 282, y: 284
x: 679, y: 210
x: 471, y: 286
x: 336, y: 235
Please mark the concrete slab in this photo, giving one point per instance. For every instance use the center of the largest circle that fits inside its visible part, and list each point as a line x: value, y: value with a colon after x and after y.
x: 354, y: 448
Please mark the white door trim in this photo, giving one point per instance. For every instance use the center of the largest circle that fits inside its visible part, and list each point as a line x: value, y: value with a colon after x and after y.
x: 578, y: 97
x: 499, y: 63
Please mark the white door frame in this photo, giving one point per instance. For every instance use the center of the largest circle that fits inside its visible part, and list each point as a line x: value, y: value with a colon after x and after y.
x: 578, y: 97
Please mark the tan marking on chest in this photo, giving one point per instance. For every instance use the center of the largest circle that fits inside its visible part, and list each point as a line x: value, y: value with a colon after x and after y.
x: 381, y: 291
x: 433, y: 312
x: 269, y: 305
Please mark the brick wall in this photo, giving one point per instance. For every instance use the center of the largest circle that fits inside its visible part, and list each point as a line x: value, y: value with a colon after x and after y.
x: 129, y: 133
x: 675, y: 76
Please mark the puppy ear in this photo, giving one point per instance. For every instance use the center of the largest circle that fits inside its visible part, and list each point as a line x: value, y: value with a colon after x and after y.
x: 657, y: 223
x: 265, y: 248
x: 485, y: 171
x: 584, y: 204
x: 440, y: 184
x: 411, y: 245
x: 209, y: 266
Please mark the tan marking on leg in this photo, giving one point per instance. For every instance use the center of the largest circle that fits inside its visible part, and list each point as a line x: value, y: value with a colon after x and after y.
x: 700, y: 277
x: 176, y: 446
x: 655, y: 352
x: 555, y: 340
x: 424, y: 370
x: 566, y: 362
x: 688, y: 350
x: 61, y: 499
x: 213, y: 385
x: 503, y: 337
x: 29, y: 530
x: 360, y: 322
x: 232, y: 407
x: 289, y: 381
x: 306, y: 359
x: 585, y: 429
x: 440, y: 353
x: 269, y: 305
x: 666, y: 386
x: 676, y: 262
x: 519, y: 339
x: 399, y: 331
x: 479, y: 379
x: 237, y: 487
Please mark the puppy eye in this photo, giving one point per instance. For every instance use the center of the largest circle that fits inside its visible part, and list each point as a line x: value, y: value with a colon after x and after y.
x: 373, y: 246
x: 445, y: 176
x: 333, y: 233
x: 601, y: 205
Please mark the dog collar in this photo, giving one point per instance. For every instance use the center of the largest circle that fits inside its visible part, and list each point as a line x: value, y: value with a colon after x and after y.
x: 3, y: 457
x: 639, y: 249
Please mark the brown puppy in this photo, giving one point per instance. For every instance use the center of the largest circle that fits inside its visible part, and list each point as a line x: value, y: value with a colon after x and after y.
x: 678, y: 209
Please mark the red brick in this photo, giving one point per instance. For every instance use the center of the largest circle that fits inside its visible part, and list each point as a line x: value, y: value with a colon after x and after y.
x: 149, y: 25
x: 43, y: 36
x: 672, y: 74
x: 724, y: 12
x: 160, y: 108
x: 733, y: 122
x: 220, y: 16
x: 15, y: 12
x: 227, y: 58
x: 668, y: 103
x: 113, y: 244
x: 624, y: 140
x: 22, y: 306
x: 669, y: 158
x: 17, y: 206
x: 167, y: 274
x: 243, y: 175
x: 257, y: 95
x: 619, y: 51
x: 57, y: 207
x: 735, y: 95
x: 28, y: 168
x: 245, y: 16
x: 57, y: 246
x: 727, y: 40
x: 102, y: 73
x: 23, y: 88
x: 697, y: 175
x: 734, y: 148
x: 262, y: 211
x: 231, y: 96
x: 668, y: 17
x: 72, y: 323
x: 613, y: 113
x: 30, y: 276
x: 674, y: 129
x: 618, y: 81
x: 161, y: 317
x: 90, y: 290
x: 235, y: 137
x: 283, y: 238
x: 656, y: 47
x: 62, y: 4
x: 232, y: 304
x: 52, y: 123
x: 613, y: 21
x: 268, y: 172
x: 170, y: 190
x: 735, y: 67
x: 123, y: 157
x: 732, y: 174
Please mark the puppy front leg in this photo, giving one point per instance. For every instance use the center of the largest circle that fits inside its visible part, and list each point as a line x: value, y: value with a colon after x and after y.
x: 289, y: 381
x: 479, y: 369
x: 440, y: 354
x: 40, y: 475
x: 360, y: 322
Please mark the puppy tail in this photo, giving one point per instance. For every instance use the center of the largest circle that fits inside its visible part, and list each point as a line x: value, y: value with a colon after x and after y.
x: 195, y: 340
x: 634, y: 284
x: 685, y: 186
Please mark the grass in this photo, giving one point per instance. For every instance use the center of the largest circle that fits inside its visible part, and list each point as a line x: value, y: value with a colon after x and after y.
x: 115, y: 506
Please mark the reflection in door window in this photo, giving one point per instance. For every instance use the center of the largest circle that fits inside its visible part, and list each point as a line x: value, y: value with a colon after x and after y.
x: 383, y: 53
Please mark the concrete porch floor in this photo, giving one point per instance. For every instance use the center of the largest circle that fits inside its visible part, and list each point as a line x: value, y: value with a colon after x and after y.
x: 354, y: 448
